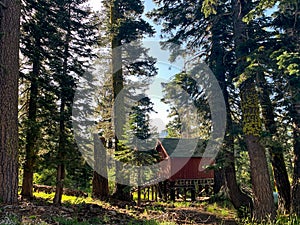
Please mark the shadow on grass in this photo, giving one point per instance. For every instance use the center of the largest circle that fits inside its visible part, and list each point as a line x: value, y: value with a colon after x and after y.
x: 40, y: 211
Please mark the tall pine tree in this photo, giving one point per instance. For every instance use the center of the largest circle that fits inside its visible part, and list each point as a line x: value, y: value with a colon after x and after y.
x: 210, y: 39
x: 124, y: 25
x: 9, y: 73
x: 287, y: 57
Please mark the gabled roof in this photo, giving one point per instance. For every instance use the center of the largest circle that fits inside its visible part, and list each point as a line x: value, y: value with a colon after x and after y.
x: 177, y: 147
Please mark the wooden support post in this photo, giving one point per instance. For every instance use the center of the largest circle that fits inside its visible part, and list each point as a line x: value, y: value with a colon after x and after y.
x: 148, y: 193
x: 160, y: 187
x: 193, y: 193
x: 207, y: 190
x: 165, y: 194
x: 172, y: 190
x: 152, y: 192
x: 139, y: 196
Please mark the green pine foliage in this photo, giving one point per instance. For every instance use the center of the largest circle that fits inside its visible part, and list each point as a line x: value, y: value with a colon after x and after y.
x: 206, y: 29
x: 189, y: 105
x: 57, y: 44
x: 138, y: 144
x: 123, y: 28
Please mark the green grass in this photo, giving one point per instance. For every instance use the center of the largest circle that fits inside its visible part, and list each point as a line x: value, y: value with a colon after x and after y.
x: 182, y: 204
x: 220, y: 209
x: 135, y: 196
x: 211, y: 208
x: 290, y: 220
x: 32, y: 217
x: 281, y: 220
x: 65, y: 198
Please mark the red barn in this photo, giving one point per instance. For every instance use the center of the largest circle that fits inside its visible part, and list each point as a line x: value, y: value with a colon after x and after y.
x: 185, y: 166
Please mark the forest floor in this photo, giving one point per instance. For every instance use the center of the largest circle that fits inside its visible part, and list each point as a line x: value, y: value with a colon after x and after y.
x: 80, y: 211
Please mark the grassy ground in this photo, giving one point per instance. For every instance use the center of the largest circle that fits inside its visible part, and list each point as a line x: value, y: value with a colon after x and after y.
x: 86, y: 211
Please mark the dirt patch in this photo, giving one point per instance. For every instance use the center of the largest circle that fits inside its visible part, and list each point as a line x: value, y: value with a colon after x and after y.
x: 40, y: 211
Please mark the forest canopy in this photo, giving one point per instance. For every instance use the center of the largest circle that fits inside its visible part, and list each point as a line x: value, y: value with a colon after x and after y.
x: 72, y: 78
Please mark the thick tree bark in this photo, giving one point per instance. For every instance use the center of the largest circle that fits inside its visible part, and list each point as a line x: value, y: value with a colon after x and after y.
x: 275, y: 149
x: 219, y: 177
x: 264, y: 206
x: 100, y: 186
x: 241, y: 201
x: 100, y: 176
x: 32, y: 130
x: 9, y: 72
x: 60, y: 176
x: 122, y: 191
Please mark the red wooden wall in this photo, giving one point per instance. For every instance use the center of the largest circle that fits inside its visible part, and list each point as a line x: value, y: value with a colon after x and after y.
x: 174, y: 168
x: 190, y: 170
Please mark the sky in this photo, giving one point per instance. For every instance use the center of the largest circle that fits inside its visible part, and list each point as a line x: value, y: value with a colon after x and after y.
x: 96, y: 4
x: 165, y: 70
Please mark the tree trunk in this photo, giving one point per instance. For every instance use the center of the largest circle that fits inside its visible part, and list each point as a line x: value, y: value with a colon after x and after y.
x: 32, y: 130
x: 60, y: 175
x: 293, y: 34
x: 172, y: 191
x: 264, y: 206
x: 241, y: 201
x: 9, y: 73
x: 27, y: 182
x: 122, y: 191
x: 64, y: 98
x: 139, y: 189
x: 100, y: 176
x: 275, y: 149
x: 296, y: 175
x: 219, y: 178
